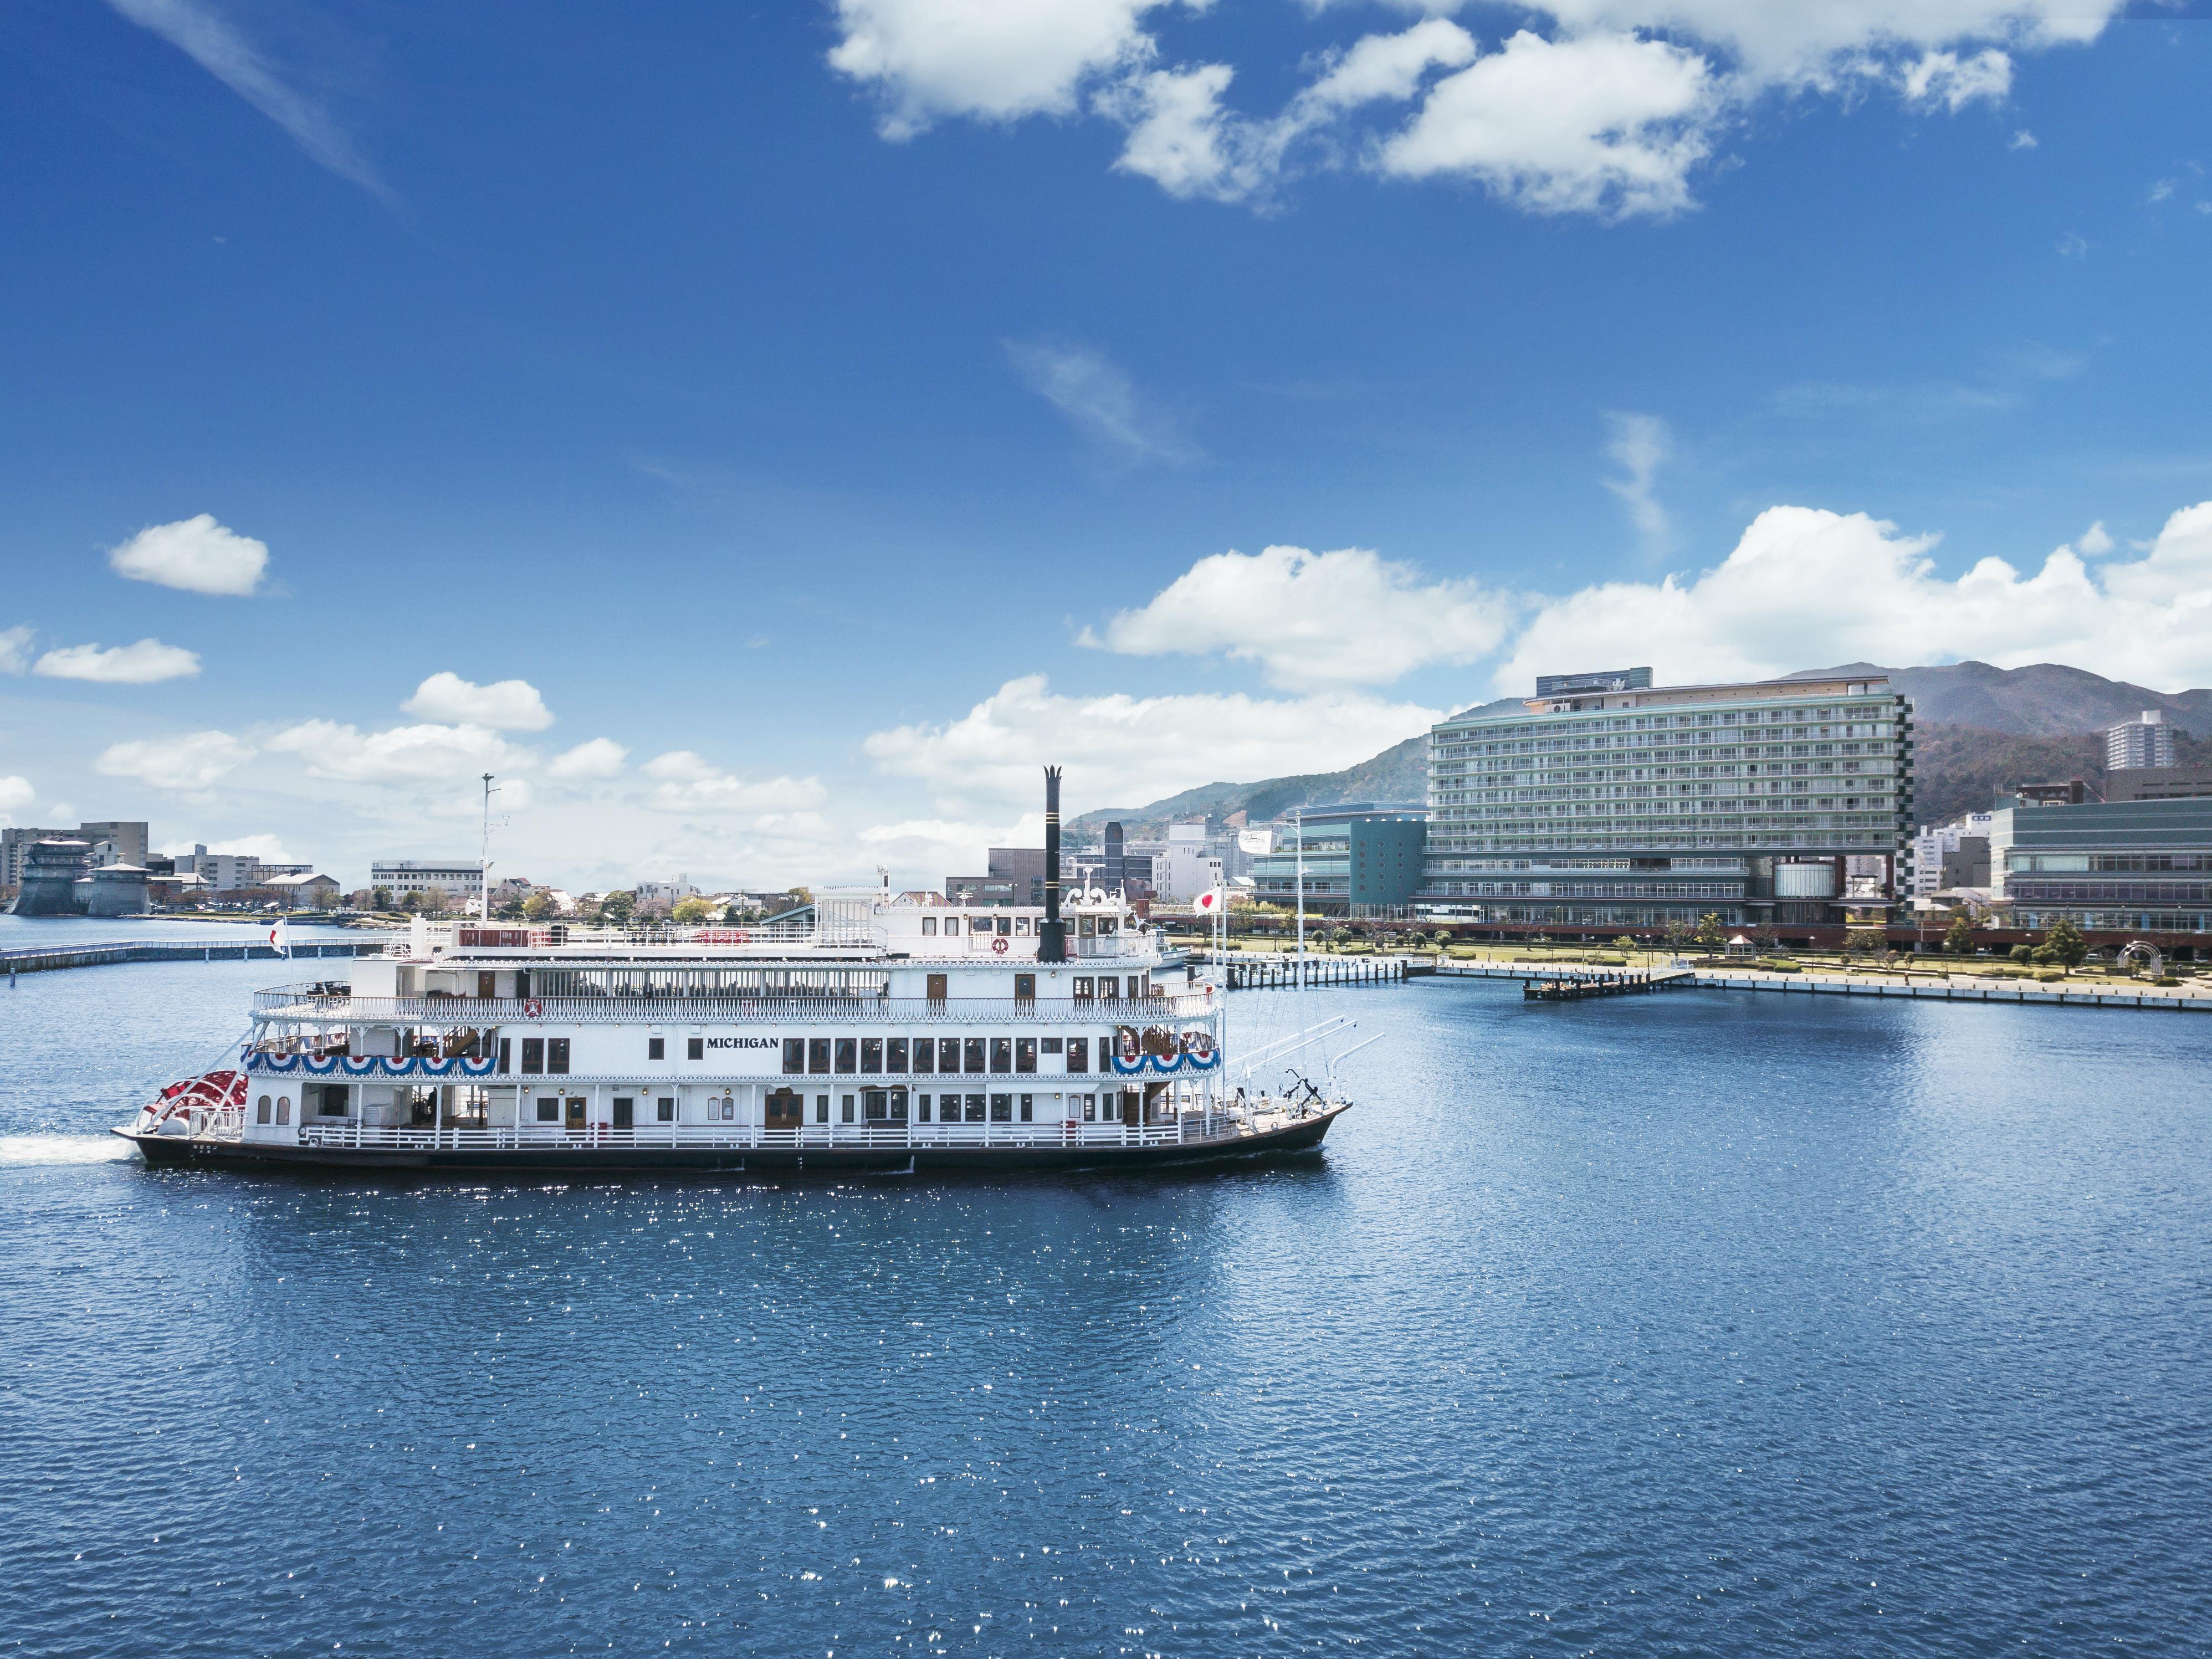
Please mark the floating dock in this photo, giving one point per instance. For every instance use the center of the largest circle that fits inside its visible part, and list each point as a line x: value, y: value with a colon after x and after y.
x: 1282, y: 974
x: 1578, y: 987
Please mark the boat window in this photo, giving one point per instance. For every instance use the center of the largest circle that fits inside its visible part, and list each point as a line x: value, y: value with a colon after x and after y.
x: 695, y: 1048
x: 505, y: 1045
x: 664, y: 1109
x: 952, y: 924
x: 1006, y: 926
x: 283, y: 1108
x: 1002, y: 1109
x: 656, y: 1047
x: 817, y: 1057
x: 1090, y: 1108
x: 921, y: 1108
x: 625, y: 1112
x: 1025, y: 1055
x: 1025, y: 987
x: 261, y: 1109
x: 557, y: 1056
x: 1002, y: 1054
x: 847, y: 1055
x: 924, y: 1053
x: 1078, y: 1053
x: 975, y: 1108
x: 948, y: 1054
x: 333, y: 1100
x: 1026, y: 1108
x: 794, y: 1055
x: 975, y: 1055
x: 848, y: 1109
x: 820, y: 1109
x: 1022, y: 926
x: 929, y: 925
x: 1049, y: 1045
x: 533, y: 1054
x: 872, y: 1054
x: 549, y: 1110
x: 895, y: 1055
x: 1082, y: 987
x: 898, y: 1105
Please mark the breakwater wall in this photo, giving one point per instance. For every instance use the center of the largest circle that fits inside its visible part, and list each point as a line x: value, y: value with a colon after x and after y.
x: 51, y: 959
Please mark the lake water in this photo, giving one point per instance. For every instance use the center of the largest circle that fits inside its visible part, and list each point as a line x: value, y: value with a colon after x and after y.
x: 1696, y: 1323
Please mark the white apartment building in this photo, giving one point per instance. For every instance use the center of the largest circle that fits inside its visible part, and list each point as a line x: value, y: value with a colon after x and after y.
x: 2139, y: 745
x: 665, y: 894
x: 456, y: 880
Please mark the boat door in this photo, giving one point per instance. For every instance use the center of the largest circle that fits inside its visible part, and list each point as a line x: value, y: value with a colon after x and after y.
x: 786, y: 1108
x: 937, y: 988
x: 1130, y: 1109
x: 576, y: 1117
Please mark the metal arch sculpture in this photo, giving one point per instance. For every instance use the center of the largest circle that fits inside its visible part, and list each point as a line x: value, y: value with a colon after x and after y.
x: 2156, y: 962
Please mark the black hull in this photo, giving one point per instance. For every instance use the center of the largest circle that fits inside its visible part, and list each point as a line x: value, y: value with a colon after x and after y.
x: 178, y: 1150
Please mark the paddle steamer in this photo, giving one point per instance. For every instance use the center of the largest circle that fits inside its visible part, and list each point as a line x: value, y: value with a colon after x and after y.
x: 886, y: 1034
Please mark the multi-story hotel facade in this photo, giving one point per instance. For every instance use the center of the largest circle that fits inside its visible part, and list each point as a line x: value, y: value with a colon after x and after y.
x: 1626, y: 806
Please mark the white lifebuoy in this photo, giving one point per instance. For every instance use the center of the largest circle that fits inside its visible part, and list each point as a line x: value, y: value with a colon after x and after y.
x: 999, y: 946
x: 531, y: 1008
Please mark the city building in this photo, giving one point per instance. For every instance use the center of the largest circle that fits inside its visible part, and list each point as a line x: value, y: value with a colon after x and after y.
x: 2072, y: 792
x: 2139, y: 745
x: 109, y: 841
x: 2121, y: 868
x: 223, y: 872
x: 1359, y: 860
x: 2158, y: 783
x: 1620, y: 809
x: 663, y: 896
x: 456, y: 880
x: 1607, y: 679
x: 1186, y: 866
x: 1930, y: 846
x: 310, y: 891
x: 1014, y: 875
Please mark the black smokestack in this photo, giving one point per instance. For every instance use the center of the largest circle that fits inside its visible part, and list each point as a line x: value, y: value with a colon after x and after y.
x: 1052, y: 942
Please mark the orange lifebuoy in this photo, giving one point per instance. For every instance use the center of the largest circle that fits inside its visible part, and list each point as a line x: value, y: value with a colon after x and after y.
x: 999, y: 946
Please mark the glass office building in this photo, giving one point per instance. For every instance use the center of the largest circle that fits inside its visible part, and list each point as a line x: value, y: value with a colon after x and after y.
x: 1364, y: 860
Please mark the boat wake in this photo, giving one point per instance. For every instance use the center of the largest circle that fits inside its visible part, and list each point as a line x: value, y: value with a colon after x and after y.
x: 29, y: 1151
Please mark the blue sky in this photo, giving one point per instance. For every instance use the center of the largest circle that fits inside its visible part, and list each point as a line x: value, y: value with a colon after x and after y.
x: 783, y: 430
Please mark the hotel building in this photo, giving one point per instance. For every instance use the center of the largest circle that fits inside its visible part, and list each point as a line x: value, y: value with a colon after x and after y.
x: 1626, y: 806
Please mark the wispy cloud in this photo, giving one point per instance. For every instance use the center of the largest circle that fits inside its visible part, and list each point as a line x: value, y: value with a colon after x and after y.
x: 1639, y: 447
x: 202, y: 33
x: 1102, y: 402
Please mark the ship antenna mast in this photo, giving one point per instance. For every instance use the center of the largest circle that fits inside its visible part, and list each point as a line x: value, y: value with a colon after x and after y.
x: 484, y: 871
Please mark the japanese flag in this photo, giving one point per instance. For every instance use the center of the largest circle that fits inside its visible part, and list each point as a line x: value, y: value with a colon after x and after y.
x: 1208, y: 903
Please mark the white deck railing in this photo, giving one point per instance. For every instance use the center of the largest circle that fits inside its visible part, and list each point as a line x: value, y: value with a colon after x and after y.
x: 307, y: 1007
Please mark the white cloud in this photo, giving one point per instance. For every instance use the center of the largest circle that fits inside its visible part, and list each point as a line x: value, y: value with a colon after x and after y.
x: 1947, y: 78
x: 15, y: 650
x: 1601, y: 107
x: 993, y: 59
x: 2094, y: 542
x: 15, y: 793
x: 197, y: 555
x: 1639, y: 443
x: 213, y: 42
x: 1346, y: 617
x: 1805, y: 588
x: 689, y: 782
x: 1125, y: 751
x: 147, y: 663
x: 600, y: 757
x: 1100, y: 400
x: 504, y: 706
x: 2022, y: 140
x: 1603, y: 124
x: 193, y: 761
x: 2073, y: 245
x: 1776, y: 43
x: 401, y: 753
